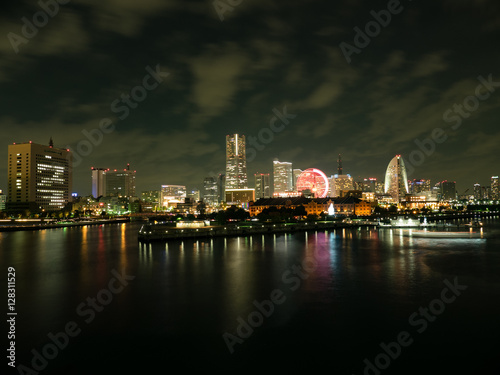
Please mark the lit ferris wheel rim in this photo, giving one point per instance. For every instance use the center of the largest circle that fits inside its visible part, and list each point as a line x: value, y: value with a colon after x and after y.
x: 314, y: 180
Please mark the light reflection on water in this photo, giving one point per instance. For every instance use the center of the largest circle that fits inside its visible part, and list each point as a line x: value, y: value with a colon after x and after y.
x: 355, y: 281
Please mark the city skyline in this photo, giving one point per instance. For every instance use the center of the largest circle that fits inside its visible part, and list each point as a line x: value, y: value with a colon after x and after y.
x: 98, y: 177
x: 165, y: 113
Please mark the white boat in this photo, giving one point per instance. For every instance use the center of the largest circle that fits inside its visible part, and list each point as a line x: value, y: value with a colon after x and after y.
x: 445, y: 234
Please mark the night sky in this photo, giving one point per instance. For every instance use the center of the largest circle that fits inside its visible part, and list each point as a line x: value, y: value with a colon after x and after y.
x: 216, y: 77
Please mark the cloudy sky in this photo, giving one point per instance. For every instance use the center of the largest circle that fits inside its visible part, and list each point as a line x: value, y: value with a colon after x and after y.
x: 416, y: 73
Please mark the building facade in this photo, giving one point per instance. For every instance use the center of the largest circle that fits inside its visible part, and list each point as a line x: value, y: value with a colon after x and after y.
x: 348, y: 206
x: 98, y: 182
x: 210, y: 191
x: 447, y: 191
x: 341, y: 183
x: 236, y: 164
x: 39, y: 176
x: 419, y: 186
x: 282, y: 177
x: 120, y: 183
x: 262, y: 185
x: 240, y: 197
x: 396, y: 179
x: 494, y: 188
x: 171, y: 195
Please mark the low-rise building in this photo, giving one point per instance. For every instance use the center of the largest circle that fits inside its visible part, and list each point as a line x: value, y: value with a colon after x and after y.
x: 346, y: 206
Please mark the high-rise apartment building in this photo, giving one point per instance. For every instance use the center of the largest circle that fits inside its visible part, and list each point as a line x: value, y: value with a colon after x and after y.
x: 396, y: 179
x: 98, y: 182
x: 262, y: 185
x: 39, y: 176
x: 120, y: 183
x: 282, y: 177
x: 236, y: 164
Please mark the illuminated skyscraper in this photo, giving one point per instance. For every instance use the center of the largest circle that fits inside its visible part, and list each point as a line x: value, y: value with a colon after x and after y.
x: 282, y: 176
x: 98, y: 182
x: 494, y: 188
x: 236, y: 163
x: 39, y: 176
x: 396, y: 179
x: 120, y: 183
x: 262, y: 185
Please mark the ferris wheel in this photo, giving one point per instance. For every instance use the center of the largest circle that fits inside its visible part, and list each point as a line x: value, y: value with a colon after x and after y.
x: 315, y: 181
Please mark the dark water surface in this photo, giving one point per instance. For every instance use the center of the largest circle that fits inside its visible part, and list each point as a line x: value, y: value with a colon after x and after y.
x: 338, y: 295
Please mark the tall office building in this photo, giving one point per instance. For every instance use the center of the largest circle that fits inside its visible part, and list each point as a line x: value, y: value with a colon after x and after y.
x: 262, y: 185
x: 210, y: 191
x: 39, y: 176
x: 396, y: 179
x: 447, y: 190
x: 494, y: 188
x: 120, y: 183
x: 236, y: 163
x: 98, y: 182
x: 282, y: 177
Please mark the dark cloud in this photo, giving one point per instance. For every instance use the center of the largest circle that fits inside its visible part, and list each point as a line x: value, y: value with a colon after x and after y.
x: 228, y: 76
